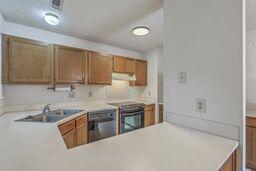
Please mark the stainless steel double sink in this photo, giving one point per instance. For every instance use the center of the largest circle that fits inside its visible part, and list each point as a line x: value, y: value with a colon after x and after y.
x: 50, y: 117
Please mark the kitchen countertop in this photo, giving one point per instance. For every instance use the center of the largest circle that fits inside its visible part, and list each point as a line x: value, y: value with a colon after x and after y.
x: 251, y: 112
x: 138, y: 100
x: 39, y: 147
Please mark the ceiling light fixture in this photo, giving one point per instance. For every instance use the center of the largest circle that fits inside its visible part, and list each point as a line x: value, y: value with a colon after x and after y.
x: 140, y: 31
x: 52, y: 19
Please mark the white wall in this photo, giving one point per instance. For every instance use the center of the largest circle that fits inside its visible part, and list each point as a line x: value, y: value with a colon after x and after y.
x: 1, y: 91
x: 18, y: 94
x: 154, y: 89
x: 251, y: 67
x: 151, y: 89
x: 1, y: 31
x: 1, y: 23
x: 160, y: 80
x: 120, y: 90
x: 204, y: 38
x: 38, y: 94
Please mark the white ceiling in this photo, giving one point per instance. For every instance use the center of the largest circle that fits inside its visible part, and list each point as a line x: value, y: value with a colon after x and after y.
x: 104, y: 21
x: 251, y: 14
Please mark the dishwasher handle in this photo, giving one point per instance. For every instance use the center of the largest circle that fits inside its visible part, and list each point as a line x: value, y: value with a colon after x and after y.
x: 101, y: 117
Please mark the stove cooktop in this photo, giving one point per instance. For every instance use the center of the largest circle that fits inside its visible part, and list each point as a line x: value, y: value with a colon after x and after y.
x: 128, y: 104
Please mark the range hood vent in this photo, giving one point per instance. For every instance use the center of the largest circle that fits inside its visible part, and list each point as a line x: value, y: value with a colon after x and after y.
x: 125, y: 77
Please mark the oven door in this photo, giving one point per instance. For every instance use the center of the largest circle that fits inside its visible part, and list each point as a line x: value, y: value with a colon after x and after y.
x: 131, y: 121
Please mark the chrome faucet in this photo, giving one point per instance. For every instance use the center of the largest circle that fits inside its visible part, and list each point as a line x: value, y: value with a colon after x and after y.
x: 46, y: 108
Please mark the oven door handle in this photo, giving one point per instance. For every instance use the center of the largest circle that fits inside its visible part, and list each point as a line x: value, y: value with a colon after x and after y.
x: 132, y: 114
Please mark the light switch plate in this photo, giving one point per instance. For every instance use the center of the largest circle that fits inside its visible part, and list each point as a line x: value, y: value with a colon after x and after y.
x: 201, y: 105
x: 182, y: 77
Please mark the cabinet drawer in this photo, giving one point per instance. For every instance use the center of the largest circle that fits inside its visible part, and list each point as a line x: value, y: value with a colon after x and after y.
x: 251, y: 121
x: 149, y: 107
x: 67, y: 127
x: 80, y: 120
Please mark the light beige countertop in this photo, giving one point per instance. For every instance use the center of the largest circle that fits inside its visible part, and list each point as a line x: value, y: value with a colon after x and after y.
x: 138, y: 100
x: 28, y: 146
x: 251, y: 112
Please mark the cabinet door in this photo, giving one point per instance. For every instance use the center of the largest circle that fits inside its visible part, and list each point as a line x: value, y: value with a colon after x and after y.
x: 70, y: 139
x: 100, y: 68
x: 81, y: 134
x: 149, y: 115
x: 69, y: 65
x: 251, y: 146
x: 130, y: 66
x: 26, y: 61
x: 141, y: 74
x: 119, y: 64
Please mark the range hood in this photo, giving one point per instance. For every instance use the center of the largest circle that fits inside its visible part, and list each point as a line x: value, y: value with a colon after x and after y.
x: 125, y: 77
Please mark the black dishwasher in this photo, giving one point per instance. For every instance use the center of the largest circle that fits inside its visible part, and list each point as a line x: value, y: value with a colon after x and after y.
x: 102, y: 124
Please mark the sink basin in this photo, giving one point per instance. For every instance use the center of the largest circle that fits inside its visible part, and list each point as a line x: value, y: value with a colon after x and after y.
x: 64, y: 112
x: 50, y: 117
x: 42, y: 118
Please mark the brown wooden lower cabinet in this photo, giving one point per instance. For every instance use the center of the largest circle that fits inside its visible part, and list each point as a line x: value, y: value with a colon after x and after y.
x: 251, y: 142
x: 70, y: 139
x: 81, y: 132
x: 230, y: 164
x: 161, y: 113
x: 149, y: 115
x: 75, y: 132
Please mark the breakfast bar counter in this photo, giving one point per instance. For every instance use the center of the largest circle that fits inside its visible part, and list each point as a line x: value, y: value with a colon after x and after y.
x: 162, y: 147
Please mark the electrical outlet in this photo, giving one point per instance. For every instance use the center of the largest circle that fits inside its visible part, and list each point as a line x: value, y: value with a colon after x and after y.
x: 72, y: 95
x: 149, y: 93
x: 90, y: 94
x: 182, y: 77
x: 201, y: 105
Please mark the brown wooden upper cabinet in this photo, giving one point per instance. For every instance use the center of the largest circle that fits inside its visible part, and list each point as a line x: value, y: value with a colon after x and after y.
x: 26, y: 61
x: 141, y: 73
x: 123, y: 65
x: 69, y: 65
x: 99, y: 68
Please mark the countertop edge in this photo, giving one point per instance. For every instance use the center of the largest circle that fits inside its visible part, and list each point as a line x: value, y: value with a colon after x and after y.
x: 227, y: 157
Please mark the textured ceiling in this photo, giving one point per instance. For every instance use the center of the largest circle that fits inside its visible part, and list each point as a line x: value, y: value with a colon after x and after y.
x: 104, y: 21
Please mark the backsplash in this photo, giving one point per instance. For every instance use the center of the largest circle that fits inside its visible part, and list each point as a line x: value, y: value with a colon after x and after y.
x: 120, y: 90
x: 38, y: 94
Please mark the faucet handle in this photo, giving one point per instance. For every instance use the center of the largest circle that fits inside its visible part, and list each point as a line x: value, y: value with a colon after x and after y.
x: 46, y: 108
x: 47, y: 105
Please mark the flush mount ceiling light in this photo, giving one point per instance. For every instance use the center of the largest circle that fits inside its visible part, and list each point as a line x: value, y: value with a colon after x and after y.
x: 52, y: 19
x: 140, y: 31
